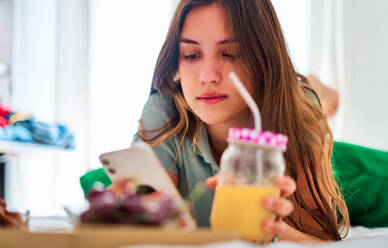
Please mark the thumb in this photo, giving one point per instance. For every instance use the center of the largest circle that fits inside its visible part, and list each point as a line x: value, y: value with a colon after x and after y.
x: 212, y: 182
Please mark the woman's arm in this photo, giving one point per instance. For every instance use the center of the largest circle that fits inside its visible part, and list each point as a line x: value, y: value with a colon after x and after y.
x: 288, y: 233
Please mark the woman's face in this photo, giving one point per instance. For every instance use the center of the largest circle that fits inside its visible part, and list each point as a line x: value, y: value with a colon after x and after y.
x: 207, y: 56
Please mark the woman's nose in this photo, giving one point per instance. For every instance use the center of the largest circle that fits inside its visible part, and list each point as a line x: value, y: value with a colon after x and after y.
x: 210, y: 72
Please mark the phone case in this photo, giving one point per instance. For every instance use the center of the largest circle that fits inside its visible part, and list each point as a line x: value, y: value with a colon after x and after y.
x: 139, y: 162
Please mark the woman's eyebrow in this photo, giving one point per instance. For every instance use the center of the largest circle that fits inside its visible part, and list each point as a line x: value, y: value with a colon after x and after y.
x: 227, y: 41
x: 188, y: 41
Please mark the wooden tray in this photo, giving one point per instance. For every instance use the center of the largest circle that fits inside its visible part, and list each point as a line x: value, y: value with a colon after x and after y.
x: 109, y: 236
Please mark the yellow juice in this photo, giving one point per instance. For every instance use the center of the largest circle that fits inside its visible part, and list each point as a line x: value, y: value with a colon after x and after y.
x: 240, y: 209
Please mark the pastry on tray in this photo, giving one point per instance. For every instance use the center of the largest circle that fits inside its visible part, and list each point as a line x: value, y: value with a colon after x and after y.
x: 12, y: 219
x: 127, y: 203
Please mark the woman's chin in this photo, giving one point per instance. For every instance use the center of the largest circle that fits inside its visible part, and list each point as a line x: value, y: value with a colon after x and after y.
x: 224, y: 116
x: 212, y: 120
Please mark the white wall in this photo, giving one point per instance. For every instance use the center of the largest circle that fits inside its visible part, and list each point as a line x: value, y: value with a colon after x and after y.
x: 49, y: 80
x: 72, y: 101
x: 5, y: 49
x: 5, y: 31
x: 122, y: 59
x: 366, y: 70
x: 294, y: 18
x: 33, y: 54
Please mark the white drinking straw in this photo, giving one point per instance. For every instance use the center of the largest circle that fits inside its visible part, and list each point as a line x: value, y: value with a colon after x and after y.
x: 248, y: 99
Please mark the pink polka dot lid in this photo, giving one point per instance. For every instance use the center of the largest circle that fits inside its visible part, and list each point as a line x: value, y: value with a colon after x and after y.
x: 257, y: 137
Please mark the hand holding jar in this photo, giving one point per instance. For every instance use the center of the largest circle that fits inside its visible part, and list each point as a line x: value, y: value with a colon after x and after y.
x: 251, y: 187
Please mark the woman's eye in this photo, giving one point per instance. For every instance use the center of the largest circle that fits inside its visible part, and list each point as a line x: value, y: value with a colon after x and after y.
x: 192, y: 56
x: 229, y: 56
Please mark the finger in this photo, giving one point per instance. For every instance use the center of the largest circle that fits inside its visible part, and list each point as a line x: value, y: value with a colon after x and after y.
x: 274, y: 227
x: 286, y: 184
x: 110, y: 187
x: 212, y: 182
x: 280, y: 206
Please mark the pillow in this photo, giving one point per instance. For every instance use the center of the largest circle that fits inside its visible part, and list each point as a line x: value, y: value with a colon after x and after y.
x: 91, y: 177
x: 362, y: 174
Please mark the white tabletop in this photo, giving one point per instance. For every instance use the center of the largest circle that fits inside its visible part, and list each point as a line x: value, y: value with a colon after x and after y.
x: 14, y: 148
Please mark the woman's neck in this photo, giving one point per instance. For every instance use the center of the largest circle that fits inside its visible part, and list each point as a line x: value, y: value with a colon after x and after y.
x: 217, y: 140
x: 218, y: 134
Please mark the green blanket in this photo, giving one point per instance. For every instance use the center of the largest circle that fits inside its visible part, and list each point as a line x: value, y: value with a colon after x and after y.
x: 363, y: 177
x: 361, y: 172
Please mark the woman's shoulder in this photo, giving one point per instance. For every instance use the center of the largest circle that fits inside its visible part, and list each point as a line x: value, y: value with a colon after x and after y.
x: 157, y: 111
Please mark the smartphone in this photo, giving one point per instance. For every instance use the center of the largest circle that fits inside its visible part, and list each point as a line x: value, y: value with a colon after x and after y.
x: 140, y: 163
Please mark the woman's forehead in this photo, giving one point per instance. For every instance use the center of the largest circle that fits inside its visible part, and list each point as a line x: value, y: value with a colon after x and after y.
x: 206, y: 24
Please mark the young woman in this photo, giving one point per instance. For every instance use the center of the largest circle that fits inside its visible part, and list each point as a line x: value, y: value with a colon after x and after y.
x: 193, y: 104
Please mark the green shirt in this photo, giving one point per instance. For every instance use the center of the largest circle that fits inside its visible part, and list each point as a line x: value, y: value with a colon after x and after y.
x: 192, y: 168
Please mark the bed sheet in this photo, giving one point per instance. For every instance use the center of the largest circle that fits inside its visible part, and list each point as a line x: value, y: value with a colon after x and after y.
x: 358, y: 237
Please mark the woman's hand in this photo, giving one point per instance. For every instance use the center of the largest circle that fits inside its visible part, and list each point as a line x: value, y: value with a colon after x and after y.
x: 212, y: 182
x: 280, y: 206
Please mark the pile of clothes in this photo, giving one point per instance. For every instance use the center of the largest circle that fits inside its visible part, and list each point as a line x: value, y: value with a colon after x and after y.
x: 23, y: 127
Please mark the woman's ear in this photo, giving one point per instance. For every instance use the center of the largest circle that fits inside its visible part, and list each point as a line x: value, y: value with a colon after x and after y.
x: 176, y: 77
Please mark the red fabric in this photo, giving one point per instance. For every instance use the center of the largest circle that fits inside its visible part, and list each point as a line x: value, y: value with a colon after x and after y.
x: 3, y: 122
x: 4, y: 110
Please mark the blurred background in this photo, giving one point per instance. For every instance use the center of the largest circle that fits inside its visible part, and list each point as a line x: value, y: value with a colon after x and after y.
x: 89, y: 64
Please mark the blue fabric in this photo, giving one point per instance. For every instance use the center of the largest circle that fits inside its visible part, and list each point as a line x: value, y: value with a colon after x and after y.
x: 16, y: 133
x: 22, y: 127
x: 55, y: 134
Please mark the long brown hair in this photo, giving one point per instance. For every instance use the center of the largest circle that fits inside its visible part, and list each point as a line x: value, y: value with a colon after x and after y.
x: 284, y: 106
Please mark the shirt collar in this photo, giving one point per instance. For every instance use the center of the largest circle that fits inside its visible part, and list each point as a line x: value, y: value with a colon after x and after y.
x: 204, y: 147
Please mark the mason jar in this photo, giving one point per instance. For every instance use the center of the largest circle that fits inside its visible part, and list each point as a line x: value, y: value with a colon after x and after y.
x: 248, y: 169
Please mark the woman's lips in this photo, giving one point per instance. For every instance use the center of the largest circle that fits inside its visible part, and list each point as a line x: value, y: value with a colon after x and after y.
x: 210, y: 98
